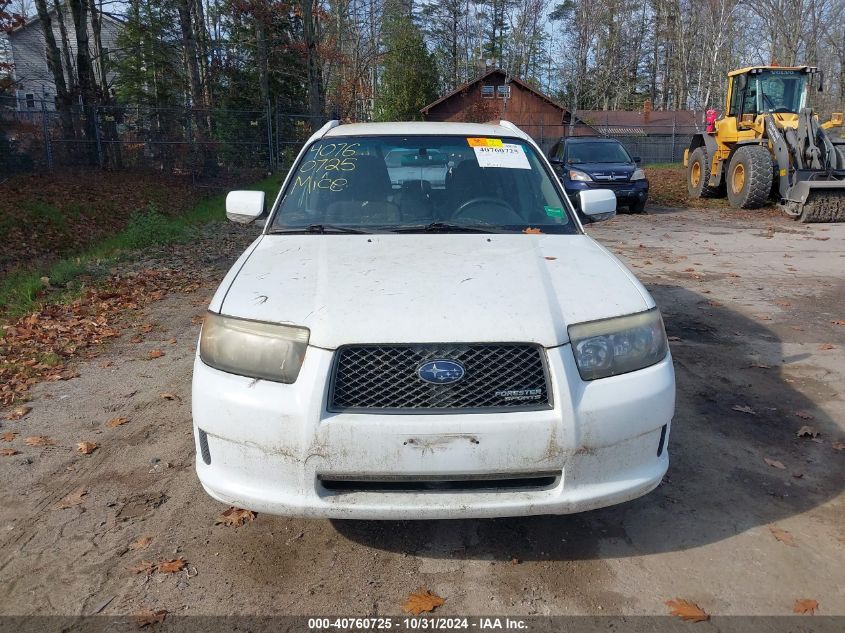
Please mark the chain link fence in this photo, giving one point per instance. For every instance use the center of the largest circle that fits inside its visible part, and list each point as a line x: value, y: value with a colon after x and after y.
x: 37, y: 138
x: 651, y: 143
x: 40, y: 138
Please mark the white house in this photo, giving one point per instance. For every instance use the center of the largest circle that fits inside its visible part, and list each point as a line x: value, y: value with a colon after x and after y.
x: 33, y: 81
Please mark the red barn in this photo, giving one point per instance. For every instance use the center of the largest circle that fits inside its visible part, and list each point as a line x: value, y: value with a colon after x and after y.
x: 497, y: 95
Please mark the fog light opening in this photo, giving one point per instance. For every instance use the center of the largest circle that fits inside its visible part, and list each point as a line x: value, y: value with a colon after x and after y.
x: 206, y: 453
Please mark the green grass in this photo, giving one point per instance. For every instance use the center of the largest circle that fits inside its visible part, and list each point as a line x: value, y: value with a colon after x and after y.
x: 662, y: 165
x: 19, y: 292
x: 36, y: 212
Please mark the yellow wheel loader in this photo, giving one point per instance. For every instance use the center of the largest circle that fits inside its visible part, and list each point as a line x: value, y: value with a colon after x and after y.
x: 768, y: 143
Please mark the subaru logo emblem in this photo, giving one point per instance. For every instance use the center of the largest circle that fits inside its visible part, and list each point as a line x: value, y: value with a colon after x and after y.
x: 441, y: 372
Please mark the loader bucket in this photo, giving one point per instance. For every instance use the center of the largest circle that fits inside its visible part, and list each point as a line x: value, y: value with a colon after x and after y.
x: 817, y: 200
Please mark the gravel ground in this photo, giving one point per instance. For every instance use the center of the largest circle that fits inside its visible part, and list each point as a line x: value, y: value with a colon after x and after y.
x: 749, y: 303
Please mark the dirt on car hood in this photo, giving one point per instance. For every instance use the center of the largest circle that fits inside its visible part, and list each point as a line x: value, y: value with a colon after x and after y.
x: 412, y: 288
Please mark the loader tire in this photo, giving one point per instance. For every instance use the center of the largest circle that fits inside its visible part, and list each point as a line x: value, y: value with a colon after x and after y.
x: 749, y: 177
x: 698, y: 175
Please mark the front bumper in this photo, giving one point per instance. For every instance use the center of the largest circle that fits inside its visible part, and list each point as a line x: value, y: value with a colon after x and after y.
x: 631, y: 192
x: 271, y: 446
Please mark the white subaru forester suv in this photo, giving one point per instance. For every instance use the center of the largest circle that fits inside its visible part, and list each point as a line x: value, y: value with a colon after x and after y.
x: 423, y: 330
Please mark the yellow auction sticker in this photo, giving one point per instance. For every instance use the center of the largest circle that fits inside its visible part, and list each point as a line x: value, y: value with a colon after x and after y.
x: 484, y: 142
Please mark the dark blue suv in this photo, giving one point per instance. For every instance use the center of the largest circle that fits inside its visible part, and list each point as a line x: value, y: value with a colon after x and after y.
x: 600, y: 163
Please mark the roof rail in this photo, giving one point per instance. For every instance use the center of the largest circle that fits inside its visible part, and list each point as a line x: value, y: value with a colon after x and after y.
x: 324, y: 130
x: 514, y: 128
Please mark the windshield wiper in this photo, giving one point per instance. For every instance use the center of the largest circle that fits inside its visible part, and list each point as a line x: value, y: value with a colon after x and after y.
x: 449, y: 227
x: 321, y: 229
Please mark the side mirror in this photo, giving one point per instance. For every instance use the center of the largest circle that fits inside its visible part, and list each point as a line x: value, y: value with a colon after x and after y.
x: 742, y: 82
x: 244, y: 207
x: 821, y: 81
x: 598, y: 204
x: 637, y: 160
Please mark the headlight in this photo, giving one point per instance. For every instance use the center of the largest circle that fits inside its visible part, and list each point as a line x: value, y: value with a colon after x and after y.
x: 580, y: 176
x: 253, y: 348
x: 638, y: 174
x: 619, y: 345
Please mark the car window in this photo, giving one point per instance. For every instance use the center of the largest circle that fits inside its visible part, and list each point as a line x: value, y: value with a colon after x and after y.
x: 402, y: 182
x: 599, y: 152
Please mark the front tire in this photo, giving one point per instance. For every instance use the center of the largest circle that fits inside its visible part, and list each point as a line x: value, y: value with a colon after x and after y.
x: 637, y: 207
x: 749, y: 177
x: 698, y: 175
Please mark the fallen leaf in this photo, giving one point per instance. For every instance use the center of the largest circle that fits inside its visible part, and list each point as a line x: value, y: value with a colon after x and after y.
x: 235, y: 517
x: 838, y: 446
x: 146, y: 328
x: 782, y: 303
x: 804, y: 415
x: 760, y: 366
x: 156, y: 353
x: 689, y: 270
x: 422, y: 600
x: 38, y: 440
x: 686, y: 610
x: 73, y: 499
x: 168, y: 396
x: 148, y: 617
x: 838, y: 322
x: 172, y: 341
x: 146, y: 567
x: 807, y: 431
x: 136, y: 339
x: 674, y: 339
x: 514, y: 561
x: 86, y: 448
x: 141, y: 543
x: 774, y: 463
x: 744, y: 408
x: 197, y: 319
x: 171, y: 566
x: 118, y: 421
x: 782, y: 535
x: 8, y: 452
x: 105, y: 363
x: 825, y: 346
x: 18, y: 412
x: 807, y: 605
x: 8, y: 436
x: 531, y: 230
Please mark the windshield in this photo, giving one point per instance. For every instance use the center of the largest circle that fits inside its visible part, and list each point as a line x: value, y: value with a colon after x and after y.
x: 408, y: 183
x: 599, y: 152
x: 781, y: 91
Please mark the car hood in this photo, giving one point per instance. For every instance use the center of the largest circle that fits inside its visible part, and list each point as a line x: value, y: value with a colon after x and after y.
x: 412, y: 288
x: 618, y: 171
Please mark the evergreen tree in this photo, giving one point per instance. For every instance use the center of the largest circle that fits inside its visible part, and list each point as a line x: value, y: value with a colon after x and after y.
x: 409, y: 74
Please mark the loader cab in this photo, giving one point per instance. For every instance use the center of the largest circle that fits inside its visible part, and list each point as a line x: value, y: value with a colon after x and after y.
x: 765, y: 90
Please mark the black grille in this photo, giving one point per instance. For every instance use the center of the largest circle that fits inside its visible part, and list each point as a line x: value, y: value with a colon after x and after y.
x: 385, y: 377
x: 494, y: 483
